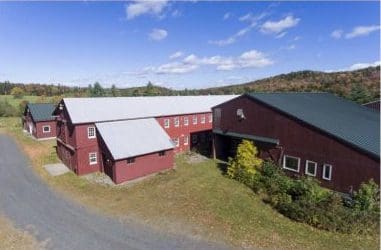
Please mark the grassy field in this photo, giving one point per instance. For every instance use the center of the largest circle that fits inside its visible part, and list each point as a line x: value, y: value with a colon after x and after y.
x: 193, y: 199
x: 11, y: 238
x: 16, y: 101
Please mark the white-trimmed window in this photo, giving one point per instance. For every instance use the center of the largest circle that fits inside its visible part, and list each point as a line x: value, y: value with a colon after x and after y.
x: 210, y: 118
x: 93, y: 158
x: 186, y: 121
x: 91, y: 132
x: 291, y: 163
x: 166, y: 123
x: 203, y: 119
x: 311, y: 167
x: 46, y: 129
x: 194, y: 119
x: 130, y: 160
x: 176, y: 141
x: 176, y: 121
x: 327, y: 172
x: 186, y: 140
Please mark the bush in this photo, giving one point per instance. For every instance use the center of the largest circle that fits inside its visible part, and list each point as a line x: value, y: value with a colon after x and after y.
x: 17, y: 92
x: 6, y: 109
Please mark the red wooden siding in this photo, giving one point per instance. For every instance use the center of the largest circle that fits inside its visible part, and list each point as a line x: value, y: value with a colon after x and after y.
x: 37, y: 127
x: 350, y: 167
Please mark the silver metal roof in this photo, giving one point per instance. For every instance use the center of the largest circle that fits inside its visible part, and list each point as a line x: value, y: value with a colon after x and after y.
x: 131, y: 138
x: 88, y: 110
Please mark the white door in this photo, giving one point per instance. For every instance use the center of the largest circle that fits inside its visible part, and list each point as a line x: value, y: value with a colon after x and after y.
x: 30, y: 128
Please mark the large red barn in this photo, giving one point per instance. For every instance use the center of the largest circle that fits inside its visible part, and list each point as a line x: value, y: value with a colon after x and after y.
x: 130, y: 137
x: 315, y: 134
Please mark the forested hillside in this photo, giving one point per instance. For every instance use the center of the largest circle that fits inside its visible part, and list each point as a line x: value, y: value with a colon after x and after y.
x: 361, y: 86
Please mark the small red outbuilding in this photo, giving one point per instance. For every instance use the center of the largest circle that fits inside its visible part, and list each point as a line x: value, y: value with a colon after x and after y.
x: 38, y: 120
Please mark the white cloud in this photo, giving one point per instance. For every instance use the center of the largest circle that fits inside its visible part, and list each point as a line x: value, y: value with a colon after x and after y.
x: 158, y: 34
x: 175, y: 68
x: 356, y: 66
x: 280, y: 35
x: 248, y: 59
x: 251, y: 19
x: 176, y: 55
x: 363, y: 65
x: 362, y: 31
x: 138, y: 8
x: 276, y: 27
x: 337, y: 34
x: 227, y: 15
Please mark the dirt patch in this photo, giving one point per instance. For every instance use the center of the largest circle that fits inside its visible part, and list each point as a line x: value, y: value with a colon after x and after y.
x: 194, y: 158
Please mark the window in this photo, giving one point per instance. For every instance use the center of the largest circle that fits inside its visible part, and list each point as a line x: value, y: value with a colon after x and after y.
x: 186, y: 140
x: 166, y: 123
x: 291, y: 163
x: 195, y: 119
x: 91, y: 132
x: 131, y: 160
x: 203, y: 119
x: 93, y: 158
x: 311, y: 168
x: 161, y: 153
x: 176, y: 121
x: 186, y: 121
x: 46, y: 129
x: 176, y: 142
x: 210, y: 118
x: 327, y: 172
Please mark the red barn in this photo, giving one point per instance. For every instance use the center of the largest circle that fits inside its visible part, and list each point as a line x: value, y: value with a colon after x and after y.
x: 315, y: 134
x: 130, y: 137
x: 38, y: 121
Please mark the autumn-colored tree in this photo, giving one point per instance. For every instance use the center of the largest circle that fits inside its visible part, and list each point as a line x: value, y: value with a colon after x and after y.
x: 17, y: 92
x: 246, y: 162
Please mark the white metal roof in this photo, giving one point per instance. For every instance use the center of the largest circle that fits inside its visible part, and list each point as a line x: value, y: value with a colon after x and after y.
x: 131, y: 138
x: 87, y: 110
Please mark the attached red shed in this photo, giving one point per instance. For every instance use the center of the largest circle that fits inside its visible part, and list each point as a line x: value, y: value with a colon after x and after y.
x: 38, y: 120
x: 315, y: 134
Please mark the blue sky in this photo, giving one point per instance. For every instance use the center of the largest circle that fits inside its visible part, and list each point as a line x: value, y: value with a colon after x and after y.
x: 182, y: 44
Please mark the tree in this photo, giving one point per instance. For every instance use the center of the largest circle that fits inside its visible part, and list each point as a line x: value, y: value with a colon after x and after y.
x: 359, y: 94
x: 246, y: 162
x: 367, y: 198
x: 17, y: 92
x: 114, y: 90
x: 150, y: 89
x: 97, y: 90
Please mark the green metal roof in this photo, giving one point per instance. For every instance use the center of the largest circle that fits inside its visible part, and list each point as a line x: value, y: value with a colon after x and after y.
x: 343, y: 119
x: 246, y: 136
x: 41, y: 111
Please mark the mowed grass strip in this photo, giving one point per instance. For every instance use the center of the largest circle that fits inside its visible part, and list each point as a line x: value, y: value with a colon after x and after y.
x: 195, y: 199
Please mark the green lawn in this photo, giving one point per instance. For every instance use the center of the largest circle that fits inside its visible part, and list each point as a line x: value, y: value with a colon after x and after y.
x: 195, y: 199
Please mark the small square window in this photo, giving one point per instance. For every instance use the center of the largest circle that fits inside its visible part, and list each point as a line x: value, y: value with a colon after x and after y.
x: 161, y: 153
x: 131, y: 160
x: 203, y: 119
x: 311, y: 168
x: 93, y: 158
x: 186, y: 121
x: 186, y: 140
x: 166, y: 123
x: 176, y: 142
x: 176, y: 121
x: 210, y: 118
x: 195, y: 119
x: 91, y: 132
x: 327, y: 172
x: 46, y: 129
x: 291, y: 163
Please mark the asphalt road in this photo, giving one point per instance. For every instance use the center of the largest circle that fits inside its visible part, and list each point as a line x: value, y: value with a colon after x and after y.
x: 33, y: 206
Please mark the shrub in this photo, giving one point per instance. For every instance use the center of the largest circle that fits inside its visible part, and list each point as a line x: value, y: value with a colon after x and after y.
x: 6, y: 109
x: 17, y: 92
x: 245, y: 164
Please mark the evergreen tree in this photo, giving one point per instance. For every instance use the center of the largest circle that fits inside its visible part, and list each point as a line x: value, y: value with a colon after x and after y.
x: 359, y: 94
x: 114, y: 91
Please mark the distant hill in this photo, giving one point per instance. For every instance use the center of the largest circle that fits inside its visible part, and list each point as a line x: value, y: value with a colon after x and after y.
x: 360, y: 85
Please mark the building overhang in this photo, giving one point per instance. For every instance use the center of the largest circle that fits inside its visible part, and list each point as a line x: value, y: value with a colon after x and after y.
x: 247, y: 136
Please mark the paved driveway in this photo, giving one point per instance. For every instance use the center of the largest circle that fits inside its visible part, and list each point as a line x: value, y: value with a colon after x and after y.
x: 30, y: 203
